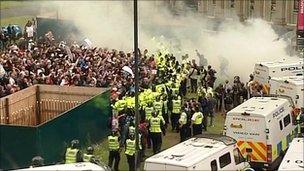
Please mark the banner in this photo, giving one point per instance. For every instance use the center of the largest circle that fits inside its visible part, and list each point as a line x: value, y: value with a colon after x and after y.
x: 301, y: 15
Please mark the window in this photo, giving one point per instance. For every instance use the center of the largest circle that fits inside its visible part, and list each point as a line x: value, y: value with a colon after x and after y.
x: 231, y: 3
x: 287, y: 120
x: 296, y: 5
x: 273, y: 5
x: 238, y: 158
x: 213, y: 165
x: 225, y: 160
x: 213, y: 2
x: 281, y: 125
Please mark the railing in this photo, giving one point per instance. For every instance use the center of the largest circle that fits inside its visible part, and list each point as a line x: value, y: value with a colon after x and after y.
x: 41, y: 103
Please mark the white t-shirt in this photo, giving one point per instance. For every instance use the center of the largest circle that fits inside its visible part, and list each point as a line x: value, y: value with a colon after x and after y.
x: 29, y: 31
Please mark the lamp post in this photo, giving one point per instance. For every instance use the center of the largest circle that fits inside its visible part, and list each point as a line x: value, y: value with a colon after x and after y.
x: 137, y: 162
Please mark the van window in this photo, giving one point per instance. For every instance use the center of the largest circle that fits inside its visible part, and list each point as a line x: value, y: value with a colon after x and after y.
x: 225, y: 160
x: 238, y: 158
x: 213, y: 165
x: 281, y: 125
x: 286, y: 120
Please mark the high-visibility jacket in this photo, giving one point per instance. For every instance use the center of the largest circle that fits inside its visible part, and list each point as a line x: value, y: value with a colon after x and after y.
x: 113, y: 143
x: 165, y: 106
x: 148, y: 111
x: 87, y: 157
x: 175, y: 90
x: 155, y: 124
x: 71, y: 155
x: 158, y: 106
x: 298, y: 119
x: 130, y: 147
x: 183, y: 119
x: 198, y: 118
x: 176, y: 106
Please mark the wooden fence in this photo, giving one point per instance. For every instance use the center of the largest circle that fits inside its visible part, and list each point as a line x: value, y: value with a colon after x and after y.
x: 40, y: 103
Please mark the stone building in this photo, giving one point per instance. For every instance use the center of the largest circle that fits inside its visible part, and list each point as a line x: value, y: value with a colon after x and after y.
x: 280, y: 12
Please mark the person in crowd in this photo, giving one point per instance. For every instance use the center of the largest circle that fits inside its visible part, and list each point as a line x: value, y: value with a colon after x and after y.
x: 184, y: 124
x: 176, y: 111
x: 73, y: 153
x: 130, y: 151
x: 197, y: 121
x: 114, y: 150
x: 155, y: 124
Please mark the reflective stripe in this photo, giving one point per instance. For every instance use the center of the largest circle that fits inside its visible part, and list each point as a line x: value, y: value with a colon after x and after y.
x: 176, y: 106
x: 155, y: 124
x: 113, y: 142
x: 259, y: 150
x: 130, y: 147
x: 87, y: 157
x: 148, y: 111
x: 71, y: 155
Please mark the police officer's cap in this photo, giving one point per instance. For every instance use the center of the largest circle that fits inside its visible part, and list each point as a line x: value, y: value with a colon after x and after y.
x: 37, y: 161
x: 75, y: 143
x: 90, y: 150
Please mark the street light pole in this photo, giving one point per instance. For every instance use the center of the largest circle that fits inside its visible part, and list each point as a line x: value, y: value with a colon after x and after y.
x: 137, y: 161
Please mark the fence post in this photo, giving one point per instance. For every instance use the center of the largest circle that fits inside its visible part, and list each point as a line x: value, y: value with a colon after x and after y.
x: 6, y: 111
x: 38, y: 113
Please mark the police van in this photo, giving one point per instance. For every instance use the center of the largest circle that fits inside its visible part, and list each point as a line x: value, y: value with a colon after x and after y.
x: 82, y: 166
x: 292, y: 86
x: 264, y: 71
x: 263, y: 128
x: 204, y: 152
x: 293, y: 159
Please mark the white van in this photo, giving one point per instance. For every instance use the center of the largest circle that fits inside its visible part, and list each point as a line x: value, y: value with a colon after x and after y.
x: 292, y: 86
x: 294, y: 160
x: 205, y: 152
x: 82, y: 166
x: 264, y: 71
x: 263, y: 129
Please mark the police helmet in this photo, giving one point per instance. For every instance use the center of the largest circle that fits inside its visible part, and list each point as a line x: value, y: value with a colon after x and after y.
x: 37, y: 161
x: 90, y: 150
x: 74, y: 143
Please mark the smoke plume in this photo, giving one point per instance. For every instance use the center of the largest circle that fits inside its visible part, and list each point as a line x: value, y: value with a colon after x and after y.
x: 230, y: 46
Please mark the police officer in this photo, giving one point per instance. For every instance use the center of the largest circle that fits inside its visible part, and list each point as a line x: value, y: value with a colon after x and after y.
x: 196, y: 122
x: 183, y: 125
x: 176, y: 106
x: 73, y: 154
x: 165, y: 109
x: 155, y: 124
x: 114, y: 150
x: 130, y: 151
x: 89, y: 157
x: 300, y: 122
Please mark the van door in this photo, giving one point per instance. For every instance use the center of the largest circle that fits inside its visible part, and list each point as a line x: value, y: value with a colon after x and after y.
x: 249, y: 131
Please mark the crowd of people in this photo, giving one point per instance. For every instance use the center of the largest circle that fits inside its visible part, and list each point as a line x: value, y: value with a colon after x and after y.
x: 165, y: 87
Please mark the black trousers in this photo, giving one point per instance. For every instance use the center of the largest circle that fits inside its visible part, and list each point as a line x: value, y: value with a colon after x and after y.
x: 197, y: 129
x: 114, y: 156
x: 156, y: 141
x: 131, y: 162
x: 193, y: 83
x: 174, y: 121
x: 184, y: 133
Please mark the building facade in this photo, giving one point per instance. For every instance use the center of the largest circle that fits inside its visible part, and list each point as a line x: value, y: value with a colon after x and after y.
x: 281, y: 12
